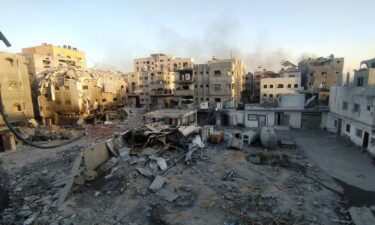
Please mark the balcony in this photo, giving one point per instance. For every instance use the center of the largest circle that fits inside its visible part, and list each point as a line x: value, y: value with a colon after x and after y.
x: 184, y: 81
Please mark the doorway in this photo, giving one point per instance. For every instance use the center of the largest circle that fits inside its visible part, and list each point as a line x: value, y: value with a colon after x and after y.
x: 365, y: 140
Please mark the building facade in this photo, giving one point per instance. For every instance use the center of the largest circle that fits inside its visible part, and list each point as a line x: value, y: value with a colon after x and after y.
x: 365, y: 76
x: 321, y: 73
x: 288, y: 82
x: 66, y: 54
x: 16, y: 95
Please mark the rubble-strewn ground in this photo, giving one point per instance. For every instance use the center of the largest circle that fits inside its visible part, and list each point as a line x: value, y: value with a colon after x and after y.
x: 219, y: 186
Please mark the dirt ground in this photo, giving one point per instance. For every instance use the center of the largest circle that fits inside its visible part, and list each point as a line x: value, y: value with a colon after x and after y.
x: 219, y: 186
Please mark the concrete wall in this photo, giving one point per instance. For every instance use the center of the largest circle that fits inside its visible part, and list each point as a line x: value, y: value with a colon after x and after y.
x: 15, y: 87
x: 273, y: 87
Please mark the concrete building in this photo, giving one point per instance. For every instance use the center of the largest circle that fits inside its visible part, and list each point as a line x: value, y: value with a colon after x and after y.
x: 66, y: 53
x: 162, y: 62
x: 247, y: 88
x: 365, y: 76
x: 321, y: 73
x: 352, y: 108
x: 186, y: 88
x: 258, y: 75
x: 219, y: 81
x: 16, y: 95
x: 37, y: 64
x: 289, y: 111
x: 288, y: 82
x: 154, y: 89
x: 69, y: 94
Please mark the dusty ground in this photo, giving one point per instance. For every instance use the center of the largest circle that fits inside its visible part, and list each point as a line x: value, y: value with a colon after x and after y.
x: 221, y: 186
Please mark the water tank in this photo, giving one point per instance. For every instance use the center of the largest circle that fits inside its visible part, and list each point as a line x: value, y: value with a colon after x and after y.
x: 268, y: 137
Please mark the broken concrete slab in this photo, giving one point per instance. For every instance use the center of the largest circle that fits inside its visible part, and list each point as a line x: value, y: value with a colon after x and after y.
x: 361, y: 216
x: 111, y: 147
x: 160, y: 161
x: 167, y: 194
x: 68, y: 186
x: 105, y: 167
x: 157, y: 183
x: 124, y: 153
x: 145, y: 172
x: 96, y: 156
x: 187, y: 130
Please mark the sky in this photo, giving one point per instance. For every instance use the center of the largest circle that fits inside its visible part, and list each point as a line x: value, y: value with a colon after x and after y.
x: 262, y: 33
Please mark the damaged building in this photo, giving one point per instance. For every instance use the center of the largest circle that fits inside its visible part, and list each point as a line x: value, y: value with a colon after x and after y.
x: 16, y: 96
x: 69, y: 94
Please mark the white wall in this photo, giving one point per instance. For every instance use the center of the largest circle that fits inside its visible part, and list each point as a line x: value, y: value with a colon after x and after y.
x: 269, y: 86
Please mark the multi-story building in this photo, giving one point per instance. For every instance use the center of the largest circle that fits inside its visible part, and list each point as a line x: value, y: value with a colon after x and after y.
x: 321, y: 73
x: 247, y: 88
x: 162, y: 62
x: 154, y: 89
x: 66, y: 54
x: 37, y: 64
x: 16, y: 95
x: 288, y: 82
x: 352, y: 108
x: 258, y: 75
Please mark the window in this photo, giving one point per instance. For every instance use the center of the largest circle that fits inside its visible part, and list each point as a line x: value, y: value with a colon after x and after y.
x: 217, y: 100
x: 348, y: 128
x: 345, y: 105
x: 265, y: 86
x: 280, y: 86
x: 271, y: 95
x: 68, y: 102
x: 368, y: 107
x: 295, y: 85
x: 217, y: 72
x: 114, y: 99
x: 122, y: 86
x: 357, y: 108
x: 251, y: 117
x: 335, y: 123
x: 104, y: 100
x: 289, y: 86
x: 271, y: 85
x: 358, y: 132
x: 264, y: 95
x: 66, y: 87
x: 85, y: 87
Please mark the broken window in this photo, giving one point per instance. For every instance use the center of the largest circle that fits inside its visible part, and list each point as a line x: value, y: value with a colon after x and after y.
x: 368, y: 107
x: 85, y: 87
x: 217, y: 99
x: 359, y: 81
x: 114, y: 99
x: 289, y: 86
x: 66, y: 88
x: 271, y: 95
x: 295, y: 85
x: 280, y: 86
x: 17, y: 107
x: 104, y: 100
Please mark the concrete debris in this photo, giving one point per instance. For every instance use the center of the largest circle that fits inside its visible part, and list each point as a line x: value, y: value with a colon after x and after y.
x: 105, y: 167
x: 167, y: 194
x: 160, y: 161
x: 145, y: 172
x: 157, y: 183
x: 124, y: 153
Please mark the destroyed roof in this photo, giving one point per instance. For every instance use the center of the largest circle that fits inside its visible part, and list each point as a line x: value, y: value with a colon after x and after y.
x: 170, y: 113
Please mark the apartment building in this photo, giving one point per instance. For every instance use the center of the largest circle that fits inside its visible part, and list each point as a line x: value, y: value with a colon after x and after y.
x: 16, y: 95
x: 288, y: 82
x: 37, y: 64
x: 247, y: 88
x: 154, y: 89
x: 162, y: 62
x: 57, y: 54
x: 69, y: 94
x: 216, y: 82
x: 321, y: 73
x: 352, y: 108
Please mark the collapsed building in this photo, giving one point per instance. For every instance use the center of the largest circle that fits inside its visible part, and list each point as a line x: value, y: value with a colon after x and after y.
x: 69, y: 94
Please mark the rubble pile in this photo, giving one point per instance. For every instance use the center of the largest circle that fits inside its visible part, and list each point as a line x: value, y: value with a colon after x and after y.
x: 164, y: 174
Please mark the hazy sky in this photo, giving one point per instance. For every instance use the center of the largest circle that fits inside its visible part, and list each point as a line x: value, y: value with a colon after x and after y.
x: 262, y: 33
